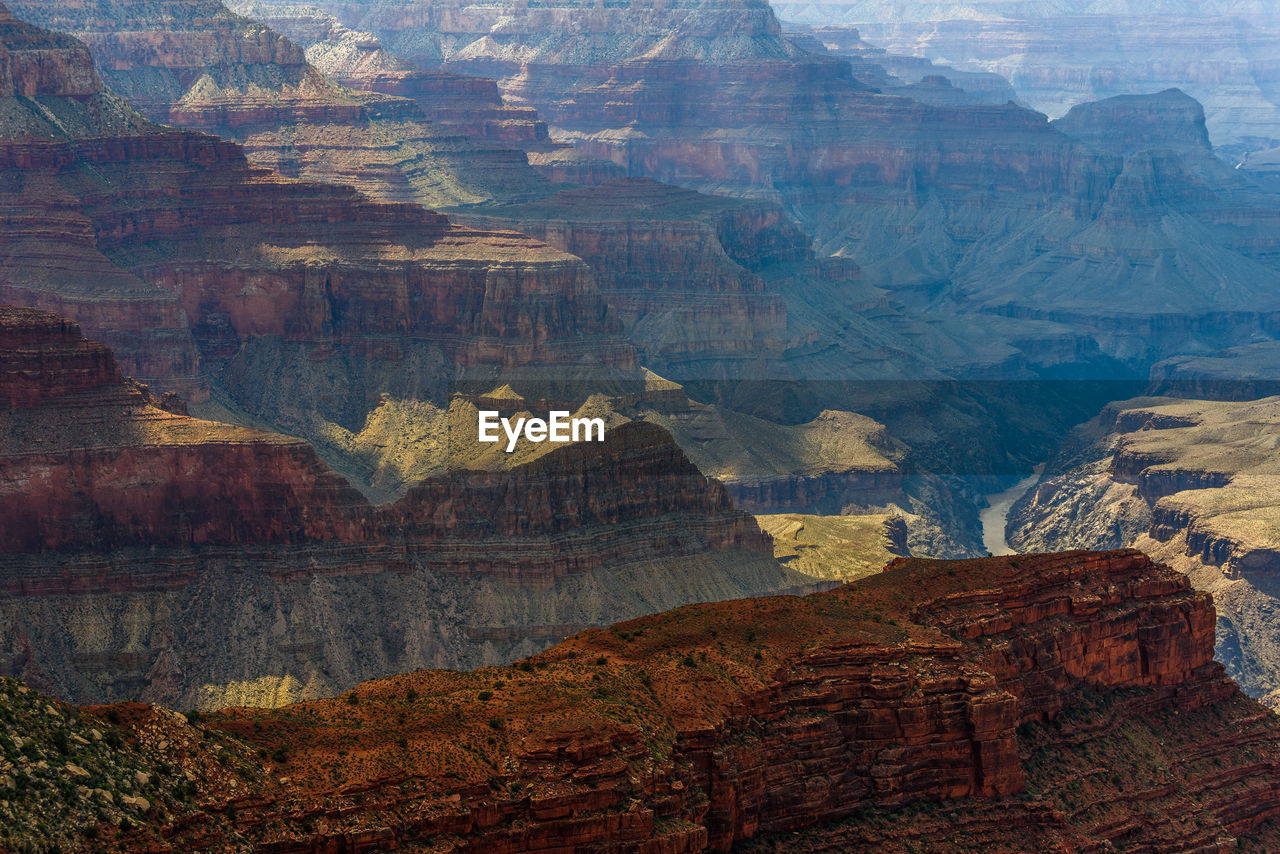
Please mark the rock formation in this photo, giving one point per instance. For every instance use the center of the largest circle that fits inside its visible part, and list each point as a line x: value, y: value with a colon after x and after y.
x: 193, y: 64
x: 302, y: 302
x: 1191, y: 482
x: 1044, y: 698
x: 1127, y: 124
x: 959, y: 209
x: 149, y: 554
x: 912, y: 76
x: 1070, y: 51
x: 678, y: 268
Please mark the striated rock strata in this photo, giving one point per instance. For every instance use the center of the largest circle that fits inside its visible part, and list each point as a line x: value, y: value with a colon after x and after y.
x: 300, y: 302
x: 149, y: 554
x: 961, y: 700
x: 1192, y: 482
x: 957, y: 208
x: 193, y: 64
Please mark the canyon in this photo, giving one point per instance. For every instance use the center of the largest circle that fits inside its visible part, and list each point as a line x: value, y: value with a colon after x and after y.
x: 291, y: 302
x: 1190, y: 482
x: 958, y: 209
x: 150, y: 554
x: 1061, y: 54
x: 1055, y: 699
x: 193, y: 64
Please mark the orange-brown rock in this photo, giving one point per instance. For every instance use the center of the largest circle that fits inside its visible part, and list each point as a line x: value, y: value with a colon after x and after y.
x: 193, y: 64
x: 148, y: 553
x: 983, y: 698
x: 172, y: 249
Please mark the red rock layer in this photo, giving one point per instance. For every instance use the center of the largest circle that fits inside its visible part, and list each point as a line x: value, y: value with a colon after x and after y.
x: 44, y: 356
x: 162, y: 243
x: 706, y: 727
x: 678, y: 268
x: 106, y: 497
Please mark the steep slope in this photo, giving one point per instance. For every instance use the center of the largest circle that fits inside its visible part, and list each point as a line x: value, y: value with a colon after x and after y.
x: 149, y: 554
x: 299, y: 302
x: 1059, y: 54
x: 955, y: 208
x: 1192, y: 482
x: 986, y: 712
x: 193, y: 64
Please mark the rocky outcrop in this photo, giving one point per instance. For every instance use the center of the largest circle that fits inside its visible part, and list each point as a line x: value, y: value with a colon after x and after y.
x: 148, y: 553
x: 303, y: 301
x: 44, y: 356
x: 193, y: 64
x: 469, y: 105
x: 723, y: 725
x: 1190, y: 482
x: 1127, y: 124
x: 959, y: 209
x: 1070, y: 53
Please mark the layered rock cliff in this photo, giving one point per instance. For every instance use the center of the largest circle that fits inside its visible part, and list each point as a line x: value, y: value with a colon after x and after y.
x: 300, y: 303
x: 150, y: 554
x: 1061, y: 54
x: 678, y: 269
x: 193, y: 64
x: 959, y: 209
x: 987, y: 708
x: 470, y: 105
x: 1190, y: 481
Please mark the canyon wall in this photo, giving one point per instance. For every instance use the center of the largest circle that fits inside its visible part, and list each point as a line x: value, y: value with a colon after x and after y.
x: 194, y: 64
x: 295, y: 303
x: 1057, y: 57
x: 869, y: 716
x: 957, y: 208
x: 1191, y: 482
x: 150, y: 554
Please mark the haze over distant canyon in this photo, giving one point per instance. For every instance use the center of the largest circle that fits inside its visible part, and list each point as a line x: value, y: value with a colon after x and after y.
x: 858, y: 292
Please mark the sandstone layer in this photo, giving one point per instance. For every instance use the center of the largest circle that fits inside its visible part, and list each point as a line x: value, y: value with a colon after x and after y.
x: 1191, y: 481
x: 958, y: 209
x: 150, y: 554
x: 298, y: 303
x: 987, y: 709
x: 193, y: 64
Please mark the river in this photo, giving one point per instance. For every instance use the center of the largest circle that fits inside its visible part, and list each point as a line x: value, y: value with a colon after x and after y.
x: 995, y: 517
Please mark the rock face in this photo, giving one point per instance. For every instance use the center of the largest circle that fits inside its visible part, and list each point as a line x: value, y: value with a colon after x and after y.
x: 1066, y: 53
x: 469, y: 105
x: 678, y: 268
x: 716, y: 726
x: 193, y: 64
x: 303, y: 301
x: 1127, y: 124
x: 147, y: 553
x: 1192, y: 482
x: 912, y: 76
x: 958, y: 209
